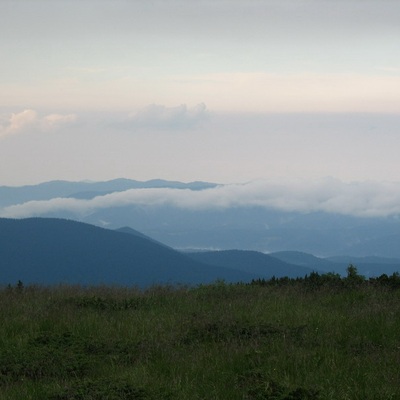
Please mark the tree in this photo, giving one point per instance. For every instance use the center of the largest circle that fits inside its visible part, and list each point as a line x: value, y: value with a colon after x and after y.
x: 353, y: 278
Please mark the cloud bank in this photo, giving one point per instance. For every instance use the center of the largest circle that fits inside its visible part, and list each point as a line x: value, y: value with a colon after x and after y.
x: 29, y: 120
x: 362, y: 199
x: 168, y: 118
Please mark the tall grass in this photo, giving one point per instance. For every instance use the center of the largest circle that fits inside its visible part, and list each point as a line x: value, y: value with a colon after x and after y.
x: 220, y: 341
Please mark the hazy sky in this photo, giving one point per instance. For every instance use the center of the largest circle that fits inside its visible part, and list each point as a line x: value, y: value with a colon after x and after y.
x: 223, y: 91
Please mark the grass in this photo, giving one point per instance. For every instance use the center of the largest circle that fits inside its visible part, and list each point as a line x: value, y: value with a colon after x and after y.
x: 283, y: 341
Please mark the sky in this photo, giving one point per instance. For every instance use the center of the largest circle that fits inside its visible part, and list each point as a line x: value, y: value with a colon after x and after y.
x: 222, y: 91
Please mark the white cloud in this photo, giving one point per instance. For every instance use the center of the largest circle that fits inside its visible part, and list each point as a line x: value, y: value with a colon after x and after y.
x: 55, y: 121
x: 363, y: 199
x: 29, y: 120
x: 167, y: 118
x: 18, y: 122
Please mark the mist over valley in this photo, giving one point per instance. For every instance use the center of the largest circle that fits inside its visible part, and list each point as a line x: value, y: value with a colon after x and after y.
x: 139, y: 233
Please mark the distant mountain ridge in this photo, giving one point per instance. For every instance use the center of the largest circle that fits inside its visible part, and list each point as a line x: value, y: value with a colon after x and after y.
x: 250, y: 227
x: 52, y: 251
x: 367, y: 266
x: 309, y: 260
x: 86, y: 190
x: 263, y: 265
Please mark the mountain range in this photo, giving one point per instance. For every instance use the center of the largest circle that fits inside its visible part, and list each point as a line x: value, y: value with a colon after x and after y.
x: 50, y: 251
x: 335, y: 238
x: 10, y: 195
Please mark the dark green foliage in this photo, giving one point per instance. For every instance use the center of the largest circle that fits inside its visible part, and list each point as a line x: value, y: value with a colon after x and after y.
x: 331, y: 280
x: 44, y: 356
x: 392, y: 281
x: 104, y: 303
x: 100, y: 390
x: 353, y: 279
x: 312, y: 338
x: 201, y: 330
x: 259, y: 386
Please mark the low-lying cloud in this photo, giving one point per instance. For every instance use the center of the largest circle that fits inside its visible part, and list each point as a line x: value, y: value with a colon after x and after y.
x: 366, y: 199
x: 30, y: 120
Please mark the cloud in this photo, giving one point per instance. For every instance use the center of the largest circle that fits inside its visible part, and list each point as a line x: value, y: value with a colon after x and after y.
x: 168, y: 118
x: 29, y: 120
x: 363, y: 199
x: 18, y: 122
x: 55, y: 121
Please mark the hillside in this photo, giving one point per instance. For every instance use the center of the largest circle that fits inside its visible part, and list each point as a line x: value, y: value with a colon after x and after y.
x: 50, y: 251
x: 262, y: 265
x: 304, y: 259
x: 368, y: 266
x: 134, y: 232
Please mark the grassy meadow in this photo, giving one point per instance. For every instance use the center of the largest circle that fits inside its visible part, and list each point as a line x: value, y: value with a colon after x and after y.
x: 334, y: 338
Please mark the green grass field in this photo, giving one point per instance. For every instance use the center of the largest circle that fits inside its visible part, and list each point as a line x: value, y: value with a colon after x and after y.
x: 260, y: 341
